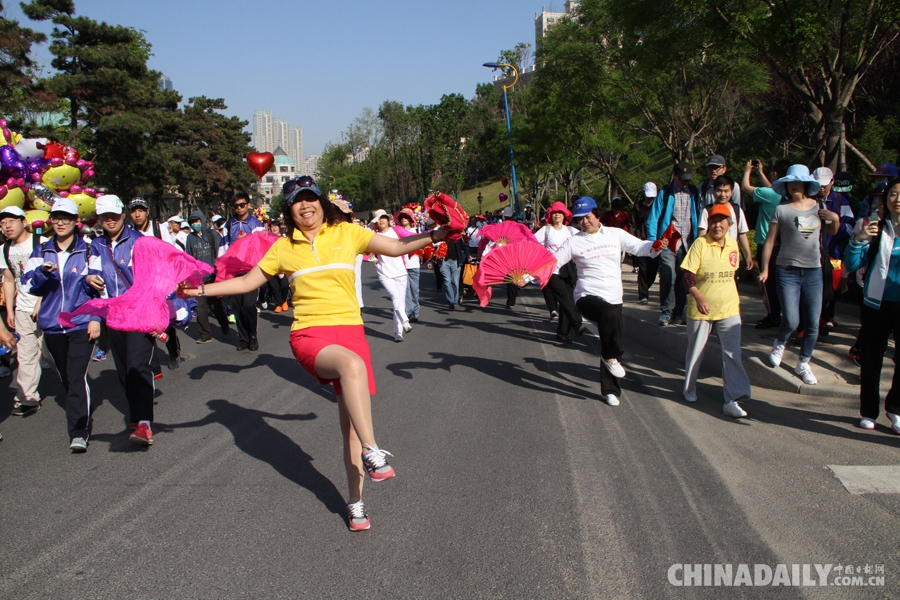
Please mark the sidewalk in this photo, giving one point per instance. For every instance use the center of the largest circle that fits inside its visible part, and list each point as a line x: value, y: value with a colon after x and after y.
x: 838, y: 376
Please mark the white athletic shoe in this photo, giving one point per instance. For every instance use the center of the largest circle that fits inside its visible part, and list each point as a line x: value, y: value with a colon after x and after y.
x: 614, y: 367
x: 407, y: 328
x: 776, y: 354
x: 867, y: 423
x: 895, y: 422
x: 398, y: 337
x: 611, y: 399
x: 734, y: 410
x: 806, y: 373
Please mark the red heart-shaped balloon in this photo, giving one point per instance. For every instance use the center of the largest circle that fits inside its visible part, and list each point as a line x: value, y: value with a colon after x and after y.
x: 260, y: 162
x: 504, y: 181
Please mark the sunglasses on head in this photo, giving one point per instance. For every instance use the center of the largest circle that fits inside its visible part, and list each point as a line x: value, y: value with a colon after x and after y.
x: 304, y: 181
x: 240, y: 204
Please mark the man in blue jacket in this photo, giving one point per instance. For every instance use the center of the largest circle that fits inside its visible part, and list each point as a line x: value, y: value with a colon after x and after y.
x: 111, y: 274
x: 678, y: 204
x: 243, y: 307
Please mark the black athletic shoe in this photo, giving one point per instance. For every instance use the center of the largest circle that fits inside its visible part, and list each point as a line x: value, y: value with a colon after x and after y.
x: 174, y: 362
x: 414, y: 319
x: 563, y: 339
x: 22, y: 410
x: 768, y: 322
x: 253, y: 346
x: 242, y: 346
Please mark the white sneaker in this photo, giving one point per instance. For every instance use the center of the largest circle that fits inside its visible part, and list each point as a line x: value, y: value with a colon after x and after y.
x: 895, y: 422
x: 4, y: 371
x: 734, y: 410
x: 398, y: 337
x: 407, y: 328
x: 690, y: 398
x: 776, y: 354
x: 611, y: 399
x: 614, y: 367
x: 867, y: 423
x: 806, y: 373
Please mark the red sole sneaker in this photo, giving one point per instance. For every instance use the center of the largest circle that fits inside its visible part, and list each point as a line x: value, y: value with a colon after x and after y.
x: 378, y: 477
x: 142, y: 435
x: 359, y: 526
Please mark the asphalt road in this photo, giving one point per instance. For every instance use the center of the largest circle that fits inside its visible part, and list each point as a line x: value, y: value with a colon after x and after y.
x: 514, y: 479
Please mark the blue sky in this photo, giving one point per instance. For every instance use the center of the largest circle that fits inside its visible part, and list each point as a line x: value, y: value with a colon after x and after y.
x: 318, y: 64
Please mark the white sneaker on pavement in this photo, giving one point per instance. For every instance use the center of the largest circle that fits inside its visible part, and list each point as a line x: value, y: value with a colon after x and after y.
x: 895, y: 422
x: 611, y: 399
x: 806, y: 373
x: 867, y: 423
x: 407, y: 328
x: 776, y: 354
x: 614, y: 367
x: 734, y: 410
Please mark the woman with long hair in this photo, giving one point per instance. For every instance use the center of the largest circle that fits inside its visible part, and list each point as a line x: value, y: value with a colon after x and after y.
x: 798, y: 223
x: 877, y: 249
x: 327, y: 336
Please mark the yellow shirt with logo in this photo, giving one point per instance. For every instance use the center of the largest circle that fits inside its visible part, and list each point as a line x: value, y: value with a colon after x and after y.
x: 714, y: 267
x: 322, y: 274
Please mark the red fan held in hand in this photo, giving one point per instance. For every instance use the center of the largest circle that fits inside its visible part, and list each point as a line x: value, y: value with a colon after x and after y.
x: 514, y: 263
x: 447, y: 213
x: 669, y: 239
x: 505, y: 233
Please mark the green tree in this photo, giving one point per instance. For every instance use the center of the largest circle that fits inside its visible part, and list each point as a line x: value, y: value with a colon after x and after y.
x: 16, y: 64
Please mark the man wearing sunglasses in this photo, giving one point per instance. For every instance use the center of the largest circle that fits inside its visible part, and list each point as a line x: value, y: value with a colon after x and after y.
x: 243, y: 306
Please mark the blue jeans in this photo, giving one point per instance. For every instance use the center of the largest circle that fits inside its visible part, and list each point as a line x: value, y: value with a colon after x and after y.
x: 800, y: 291
x: 672, y: 295
x: 412, y: 293
x: 450, y: 271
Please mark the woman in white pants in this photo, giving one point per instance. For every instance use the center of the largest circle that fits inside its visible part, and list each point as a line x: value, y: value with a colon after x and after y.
x: 392, y: 274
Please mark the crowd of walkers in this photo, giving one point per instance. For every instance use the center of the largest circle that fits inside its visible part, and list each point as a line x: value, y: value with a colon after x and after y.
x: 692, y: 237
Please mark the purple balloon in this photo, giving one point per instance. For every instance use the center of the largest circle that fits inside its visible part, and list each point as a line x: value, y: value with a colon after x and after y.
x: 11, y: 162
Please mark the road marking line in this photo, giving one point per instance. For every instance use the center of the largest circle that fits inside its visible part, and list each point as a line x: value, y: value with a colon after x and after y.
x: 868, y: 480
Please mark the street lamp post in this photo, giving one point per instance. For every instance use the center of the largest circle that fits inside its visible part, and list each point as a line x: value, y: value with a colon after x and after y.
x: 512, y: 158
x: 480, y: 200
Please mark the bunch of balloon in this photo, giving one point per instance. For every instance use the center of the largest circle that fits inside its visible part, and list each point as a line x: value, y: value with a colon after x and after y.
x: 35, y: 172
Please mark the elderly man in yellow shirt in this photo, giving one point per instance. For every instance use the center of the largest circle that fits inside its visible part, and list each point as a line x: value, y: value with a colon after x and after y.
x: 713, y: 301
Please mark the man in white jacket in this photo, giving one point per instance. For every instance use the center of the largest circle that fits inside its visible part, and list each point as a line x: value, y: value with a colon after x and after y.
x: 392, y: 274
x: 597, y: 252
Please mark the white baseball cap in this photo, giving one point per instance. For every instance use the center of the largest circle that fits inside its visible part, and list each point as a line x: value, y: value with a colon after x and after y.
x: 109, y: 203
x: 175, y: 219
x: 64, y: 205
x: 12, y: 211
x: 823, y: 175
x: 650, y: 189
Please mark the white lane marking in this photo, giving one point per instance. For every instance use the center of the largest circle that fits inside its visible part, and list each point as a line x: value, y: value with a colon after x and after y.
x: 868, y: 480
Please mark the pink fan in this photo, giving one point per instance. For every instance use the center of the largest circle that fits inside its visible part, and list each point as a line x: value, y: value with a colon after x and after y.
x: 507, y: 232
x: 483, y: 290
x: 158, y: 268
x: 514, y: 263
x: 244, y: 254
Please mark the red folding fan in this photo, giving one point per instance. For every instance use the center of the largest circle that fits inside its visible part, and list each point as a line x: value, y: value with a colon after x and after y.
x: 669, y: 239
x: 447, y: 213
x: 516, y: 262
x: 507, y: 232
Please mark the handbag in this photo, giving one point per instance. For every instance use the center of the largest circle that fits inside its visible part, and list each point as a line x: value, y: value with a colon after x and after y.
x: 469, y: 273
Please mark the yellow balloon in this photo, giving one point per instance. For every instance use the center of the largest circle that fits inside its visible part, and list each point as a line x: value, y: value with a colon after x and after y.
x: 36, y: 215
x: 38, y: 202
x: 85, y: 203
x: 14, y: 197
x: 61, y: 178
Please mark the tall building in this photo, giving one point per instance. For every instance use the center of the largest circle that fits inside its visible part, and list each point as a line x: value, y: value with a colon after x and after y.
x: 544, y: 20
x: 165, y: 84
x: 283, y: 169
x: 270, y: 133
x: 311, y: 165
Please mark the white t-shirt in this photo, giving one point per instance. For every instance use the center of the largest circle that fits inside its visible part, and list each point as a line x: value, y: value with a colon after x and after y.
x: 598, y: 258
x: 552, y: 240
x: 412, y: 261
x: 738, y: 226
x: 18, y: 256
x: 165, y: 234
x: 391, y: 266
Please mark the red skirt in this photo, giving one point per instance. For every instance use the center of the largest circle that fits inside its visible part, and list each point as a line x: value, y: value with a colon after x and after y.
x: 307, y: 343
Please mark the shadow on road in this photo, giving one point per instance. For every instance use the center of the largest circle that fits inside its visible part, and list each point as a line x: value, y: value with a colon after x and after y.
x: 255, y: 437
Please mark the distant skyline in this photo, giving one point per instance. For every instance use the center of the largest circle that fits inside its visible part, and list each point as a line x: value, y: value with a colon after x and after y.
x: 318, y: 64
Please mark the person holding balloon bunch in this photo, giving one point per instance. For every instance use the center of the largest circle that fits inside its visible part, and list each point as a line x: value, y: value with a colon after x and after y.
x: 327, y: 336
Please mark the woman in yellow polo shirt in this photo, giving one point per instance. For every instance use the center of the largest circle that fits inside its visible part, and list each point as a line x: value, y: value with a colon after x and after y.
x: 327, y: 336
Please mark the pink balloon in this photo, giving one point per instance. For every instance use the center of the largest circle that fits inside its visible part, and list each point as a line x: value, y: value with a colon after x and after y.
x: 11, y: 182
x: 81, y: 164
x: 71, y: 161
x: 90, y: 191
x: 63, y: 193
x: 2, y: 123
x: 3, y: 191
x: 20, y: 182
x: 75, y: 189
x: 35, y: 176
x: 56, y: 162
x: 87, y: 174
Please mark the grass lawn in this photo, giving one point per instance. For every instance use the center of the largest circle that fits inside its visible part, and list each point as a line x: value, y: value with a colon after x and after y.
x: 490, y: 193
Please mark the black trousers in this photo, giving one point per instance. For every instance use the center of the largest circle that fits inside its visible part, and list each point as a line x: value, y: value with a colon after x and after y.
x: 243, y: 307
x: 772, y: 281
x: 204, y: 303
x: 72, y: 354
x: 132, y: 352
x: 647, y: 267
x: 277, y: 291
x: 550, y: 299
x: 512, y: 292
x: 611, y: 325
x: 877, y: 325
x: 564, y: 297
